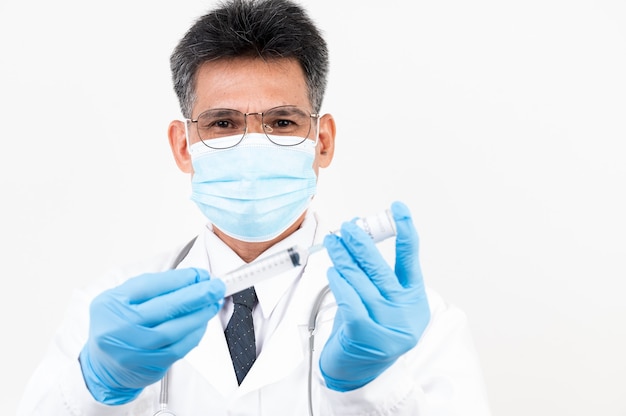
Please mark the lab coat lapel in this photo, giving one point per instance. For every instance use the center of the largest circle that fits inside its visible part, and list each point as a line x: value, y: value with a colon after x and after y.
x: 281, y: 353
x: 211, y: 357
x: 287, y: 348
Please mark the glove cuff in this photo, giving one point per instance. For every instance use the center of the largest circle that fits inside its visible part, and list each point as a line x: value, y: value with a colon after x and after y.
x: 344, y: 385
x: 98, y: 389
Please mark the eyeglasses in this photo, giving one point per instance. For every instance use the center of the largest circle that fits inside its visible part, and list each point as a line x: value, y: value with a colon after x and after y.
x: 221, y: 128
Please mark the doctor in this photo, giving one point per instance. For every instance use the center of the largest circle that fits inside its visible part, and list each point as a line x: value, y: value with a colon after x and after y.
x: 250, y: 77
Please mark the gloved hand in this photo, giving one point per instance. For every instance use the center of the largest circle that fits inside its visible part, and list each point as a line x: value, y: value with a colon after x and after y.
x: 140, y: 328
x: 381, y: 313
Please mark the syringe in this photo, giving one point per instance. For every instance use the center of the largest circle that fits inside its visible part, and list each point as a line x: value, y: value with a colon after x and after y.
x: 379, y: 227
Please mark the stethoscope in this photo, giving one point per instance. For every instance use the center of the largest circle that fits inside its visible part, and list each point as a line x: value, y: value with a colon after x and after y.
x: 312, y: 326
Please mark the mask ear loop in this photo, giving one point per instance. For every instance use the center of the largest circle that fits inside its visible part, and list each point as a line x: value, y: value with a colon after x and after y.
x: 187, y: 133
x: 317, y: 129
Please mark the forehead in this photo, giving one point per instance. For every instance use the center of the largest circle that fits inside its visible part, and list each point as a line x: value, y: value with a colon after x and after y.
x: 250, y: 84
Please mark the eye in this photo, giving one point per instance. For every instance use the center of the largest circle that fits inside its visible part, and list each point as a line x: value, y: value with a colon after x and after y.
x: 286, y: 120
x: 220, y: 121
x: 222, y: 124
x: 284, y: 123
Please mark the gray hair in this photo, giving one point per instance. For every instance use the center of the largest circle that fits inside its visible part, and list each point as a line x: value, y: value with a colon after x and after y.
x: 268, y: 29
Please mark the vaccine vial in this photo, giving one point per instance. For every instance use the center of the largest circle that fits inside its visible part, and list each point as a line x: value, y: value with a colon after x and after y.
x: 379, y: 227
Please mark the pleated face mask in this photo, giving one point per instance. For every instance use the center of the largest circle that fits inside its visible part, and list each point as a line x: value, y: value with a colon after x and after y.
x: 255, y: 190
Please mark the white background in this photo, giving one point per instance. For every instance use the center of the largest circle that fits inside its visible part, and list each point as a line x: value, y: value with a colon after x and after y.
x: 500, y: 123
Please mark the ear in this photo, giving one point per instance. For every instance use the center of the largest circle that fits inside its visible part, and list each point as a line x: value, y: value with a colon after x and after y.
x: 326, y: 143
x: 178, y: 144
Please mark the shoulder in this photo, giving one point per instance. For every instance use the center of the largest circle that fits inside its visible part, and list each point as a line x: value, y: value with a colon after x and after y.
x: 154, y: 263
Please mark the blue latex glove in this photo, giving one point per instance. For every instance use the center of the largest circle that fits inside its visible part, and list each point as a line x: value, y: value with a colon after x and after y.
x: 381, y: 313
x: 140, y: 328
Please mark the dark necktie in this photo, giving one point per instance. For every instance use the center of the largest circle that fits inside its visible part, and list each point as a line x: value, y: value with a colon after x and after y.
x: 240, y: 332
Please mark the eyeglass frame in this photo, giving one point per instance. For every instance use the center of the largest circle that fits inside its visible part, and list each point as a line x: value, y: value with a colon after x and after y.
x: 316, y: 116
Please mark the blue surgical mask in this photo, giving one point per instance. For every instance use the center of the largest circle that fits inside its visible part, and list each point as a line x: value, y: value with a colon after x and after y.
x: 256, y: 190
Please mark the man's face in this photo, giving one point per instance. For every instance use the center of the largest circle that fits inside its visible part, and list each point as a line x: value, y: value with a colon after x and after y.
x: 251, y: 85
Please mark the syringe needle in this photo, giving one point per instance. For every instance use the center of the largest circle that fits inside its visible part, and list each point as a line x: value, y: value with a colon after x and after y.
x: 315, y: 248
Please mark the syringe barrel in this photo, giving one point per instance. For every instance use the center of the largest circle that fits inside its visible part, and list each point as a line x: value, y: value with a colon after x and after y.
x: 379, y: 227
x: 261, y: 269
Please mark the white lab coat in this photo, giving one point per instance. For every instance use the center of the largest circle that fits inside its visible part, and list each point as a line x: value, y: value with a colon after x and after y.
x: 440, y: 376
